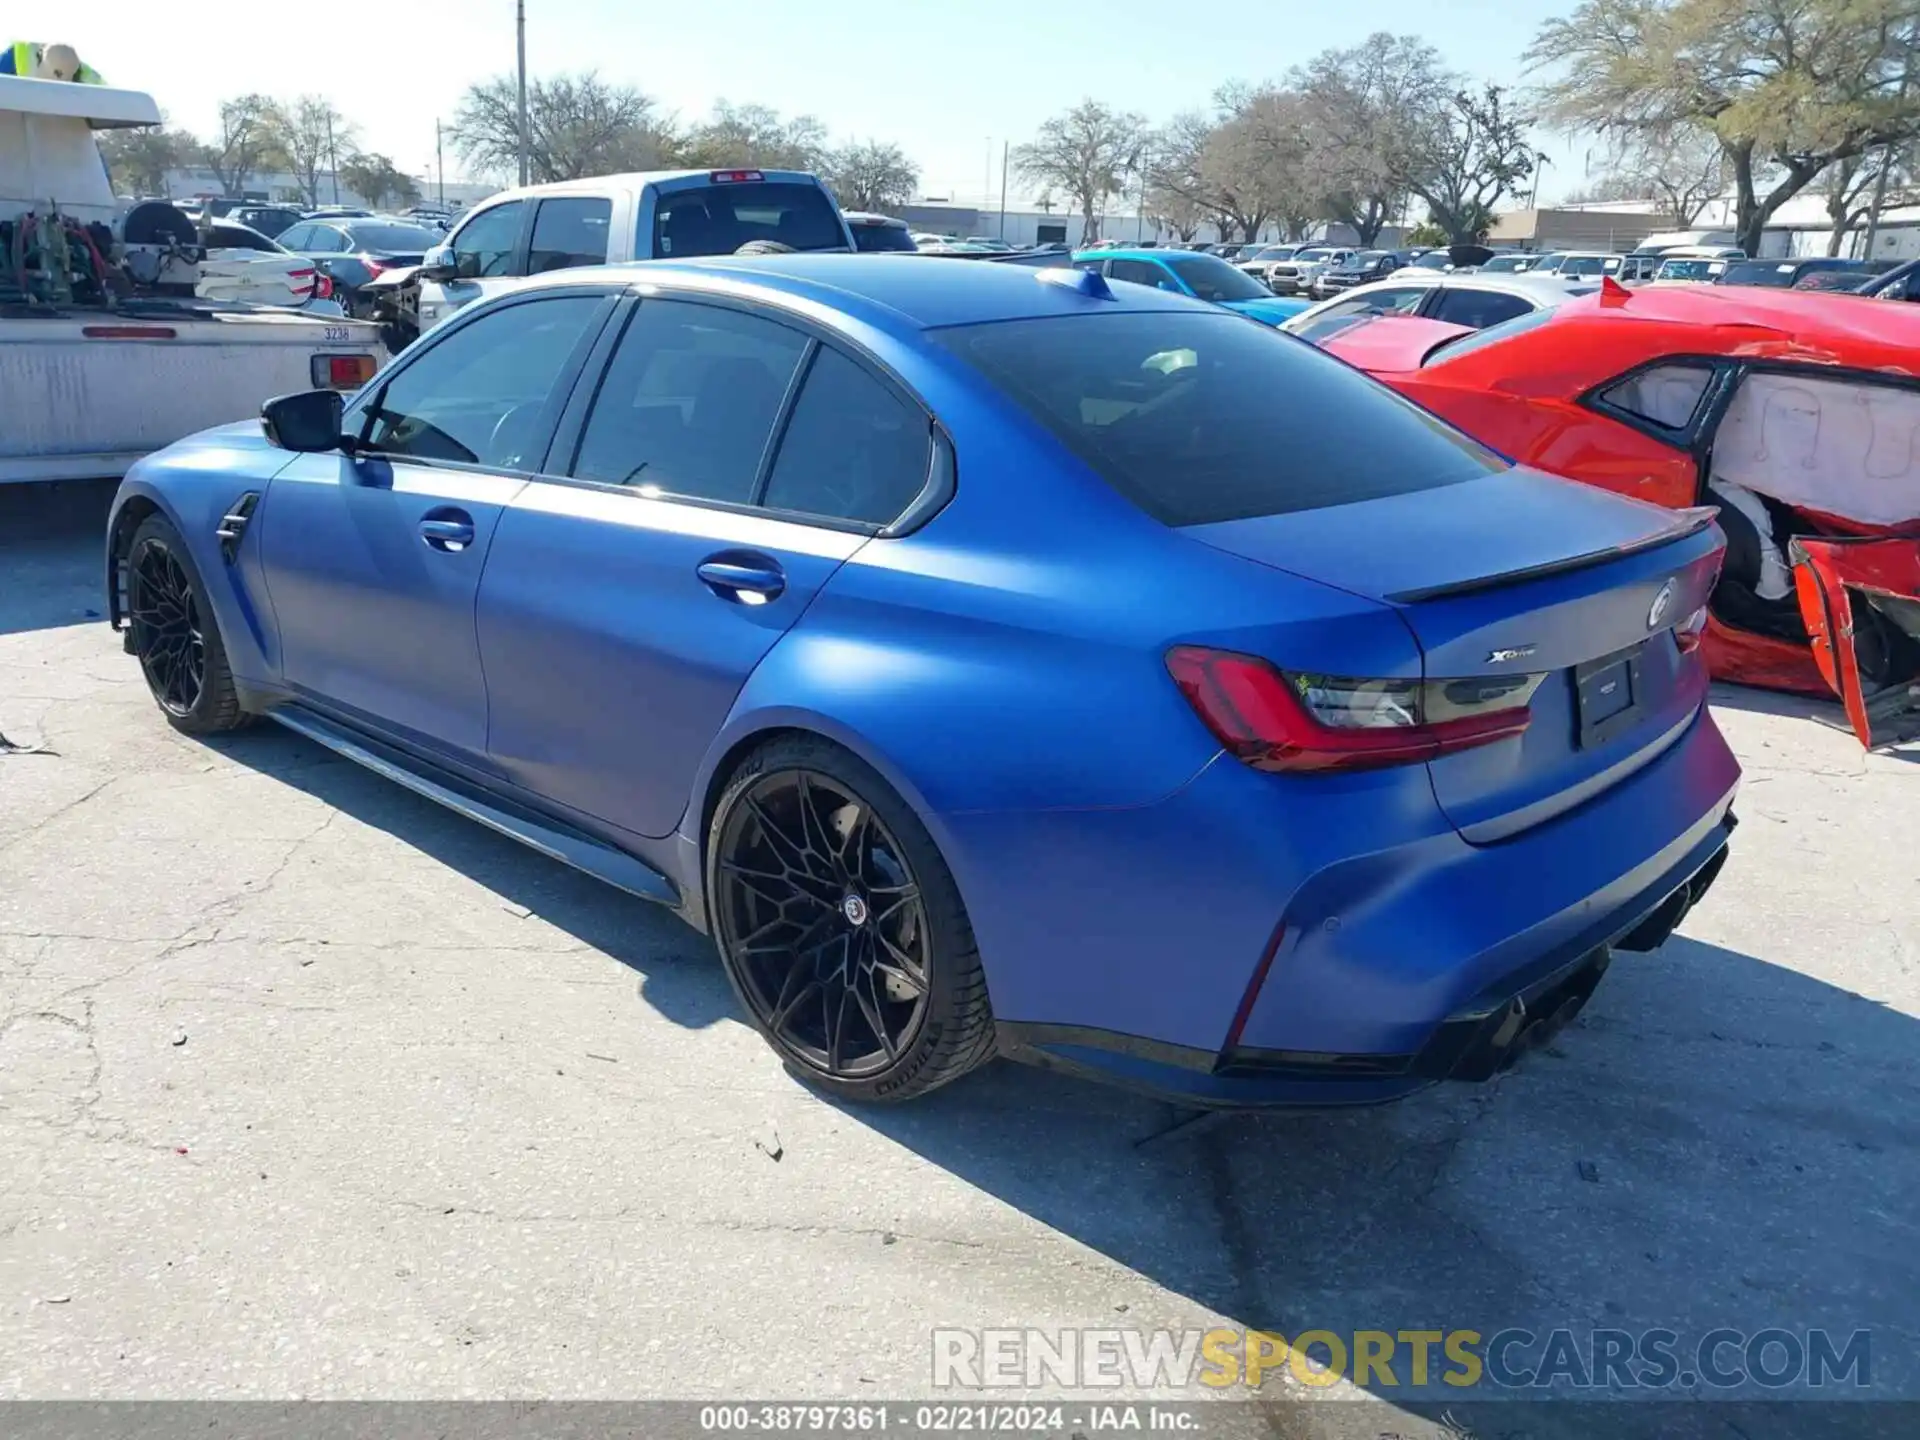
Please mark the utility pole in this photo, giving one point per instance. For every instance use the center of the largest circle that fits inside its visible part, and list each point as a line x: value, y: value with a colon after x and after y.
x: 439, y: 164
x: 333, y: 158
x: 1006, y: 148
x: 525, y: 159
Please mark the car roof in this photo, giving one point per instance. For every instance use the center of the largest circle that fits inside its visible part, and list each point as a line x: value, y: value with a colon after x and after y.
x: 1606, y: 333
x: 639, y: 179
x: 892, y: 292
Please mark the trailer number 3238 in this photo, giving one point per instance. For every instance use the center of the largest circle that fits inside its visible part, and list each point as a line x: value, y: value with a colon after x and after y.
x: 338, y: 334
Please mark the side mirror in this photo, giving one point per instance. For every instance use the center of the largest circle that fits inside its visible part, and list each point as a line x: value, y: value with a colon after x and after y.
x: 308, y: 423
x: 441, y: 264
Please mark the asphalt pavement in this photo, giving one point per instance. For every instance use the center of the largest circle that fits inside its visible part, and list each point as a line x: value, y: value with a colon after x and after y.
x: 311, y: 1089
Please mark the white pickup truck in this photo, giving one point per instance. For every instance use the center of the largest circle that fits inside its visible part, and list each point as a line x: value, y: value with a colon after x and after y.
x: 104, y: 353
x: 605, y: 220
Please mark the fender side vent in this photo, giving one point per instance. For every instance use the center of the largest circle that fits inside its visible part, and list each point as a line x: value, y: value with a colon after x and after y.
x: 233, y: 525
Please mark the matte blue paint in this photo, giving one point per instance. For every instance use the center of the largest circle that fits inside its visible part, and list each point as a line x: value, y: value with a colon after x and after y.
x: 1002, y: 667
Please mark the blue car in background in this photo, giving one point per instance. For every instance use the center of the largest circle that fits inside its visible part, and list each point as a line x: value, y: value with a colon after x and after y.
x: 992, y: 660
x: 1188, y: 272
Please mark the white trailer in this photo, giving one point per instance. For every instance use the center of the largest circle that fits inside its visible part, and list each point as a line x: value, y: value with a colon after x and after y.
x: 89, y: 384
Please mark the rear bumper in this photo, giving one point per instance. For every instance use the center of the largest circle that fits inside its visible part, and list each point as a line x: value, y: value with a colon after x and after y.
x: 1389, y: 969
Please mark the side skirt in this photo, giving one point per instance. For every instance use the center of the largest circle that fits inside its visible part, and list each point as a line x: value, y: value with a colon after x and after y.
x: 551, y: 838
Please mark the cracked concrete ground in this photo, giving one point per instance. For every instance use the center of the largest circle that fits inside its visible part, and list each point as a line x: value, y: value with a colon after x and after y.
x: 308, y: 1088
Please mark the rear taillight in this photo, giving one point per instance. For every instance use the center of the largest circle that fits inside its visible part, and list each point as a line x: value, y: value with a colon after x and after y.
x: 1691, y: 631
x: 1275, y: 720
x: 375, y: 267
x: 341, y: 372
x: 302, y: 281
x: 323, y: 286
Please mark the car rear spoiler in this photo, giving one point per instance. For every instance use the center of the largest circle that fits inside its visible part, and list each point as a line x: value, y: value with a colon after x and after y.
x: 1687, y: 522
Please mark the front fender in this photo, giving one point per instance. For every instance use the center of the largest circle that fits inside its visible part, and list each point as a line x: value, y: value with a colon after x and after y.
x: 194, y: 484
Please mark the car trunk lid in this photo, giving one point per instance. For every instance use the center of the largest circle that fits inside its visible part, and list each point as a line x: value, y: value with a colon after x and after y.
x: 1522, y: 574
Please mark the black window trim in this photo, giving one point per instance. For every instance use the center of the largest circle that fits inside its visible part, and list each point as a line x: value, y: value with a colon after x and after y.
x: 368, y: 402
x: 563, y: 451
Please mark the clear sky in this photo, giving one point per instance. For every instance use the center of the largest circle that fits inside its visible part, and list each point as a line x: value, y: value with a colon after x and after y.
x: 949, y: 80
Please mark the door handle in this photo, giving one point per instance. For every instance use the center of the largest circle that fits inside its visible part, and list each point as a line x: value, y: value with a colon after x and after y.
x: 748, y: 584
x: 449, y: 534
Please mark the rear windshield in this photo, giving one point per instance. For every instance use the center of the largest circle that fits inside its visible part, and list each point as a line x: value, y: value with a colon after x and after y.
x: 1198, y: 418
x: 1494, y: 334
x: 871, y: 238
x: 1758, y: 272
x: 395, y: 239
x: 1212, y: 278
x: 719, y: 219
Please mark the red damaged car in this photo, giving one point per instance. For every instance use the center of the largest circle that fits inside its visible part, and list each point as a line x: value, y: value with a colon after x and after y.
x: 1795, y: 414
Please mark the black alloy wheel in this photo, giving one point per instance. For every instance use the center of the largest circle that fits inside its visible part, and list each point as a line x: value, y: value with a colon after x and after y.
x: 169, y: 634
x: 826, y: 923
x: 841, y: 928
x: 172, y: 629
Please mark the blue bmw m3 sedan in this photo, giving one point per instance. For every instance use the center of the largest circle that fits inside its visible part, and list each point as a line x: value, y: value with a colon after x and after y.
x: 993, y: 661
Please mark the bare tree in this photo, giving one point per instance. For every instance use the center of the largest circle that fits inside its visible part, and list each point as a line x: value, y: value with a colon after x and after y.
x: 1464, y: 165
x: 310, y: 132
x: 1256, y: 161
x: 759, y: 136
x: 1680, y: 168
x: 1854, y: 184
x: 1089, y: 153
x: 869, y: 175
x: 244, y: 144
x: 578, y: 125
x: 1367, y: 108
x: 1787, y: 89
x: 1178, y: 190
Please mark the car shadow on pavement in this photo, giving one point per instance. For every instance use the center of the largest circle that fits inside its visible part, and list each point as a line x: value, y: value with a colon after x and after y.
x: 52, y: 570
x: 1717, y: 1142
x: 680, y: 977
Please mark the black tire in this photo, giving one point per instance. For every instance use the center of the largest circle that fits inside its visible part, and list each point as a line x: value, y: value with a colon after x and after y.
x: 905, y: 960
x: 173, y: 631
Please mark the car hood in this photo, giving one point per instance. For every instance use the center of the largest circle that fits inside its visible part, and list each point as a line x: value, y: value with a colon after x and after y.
x: 1390, y: 344
x: 1270, y: 309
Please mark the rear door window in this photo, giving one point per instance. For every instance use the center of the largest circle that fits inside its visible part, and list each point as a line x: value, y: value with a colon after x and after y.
x: 1198, y: 417
x: 568, y: 231
x: 689, y: 402
x: 853, y: 449
x: 718, y: 219
x: 1667, y: 395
